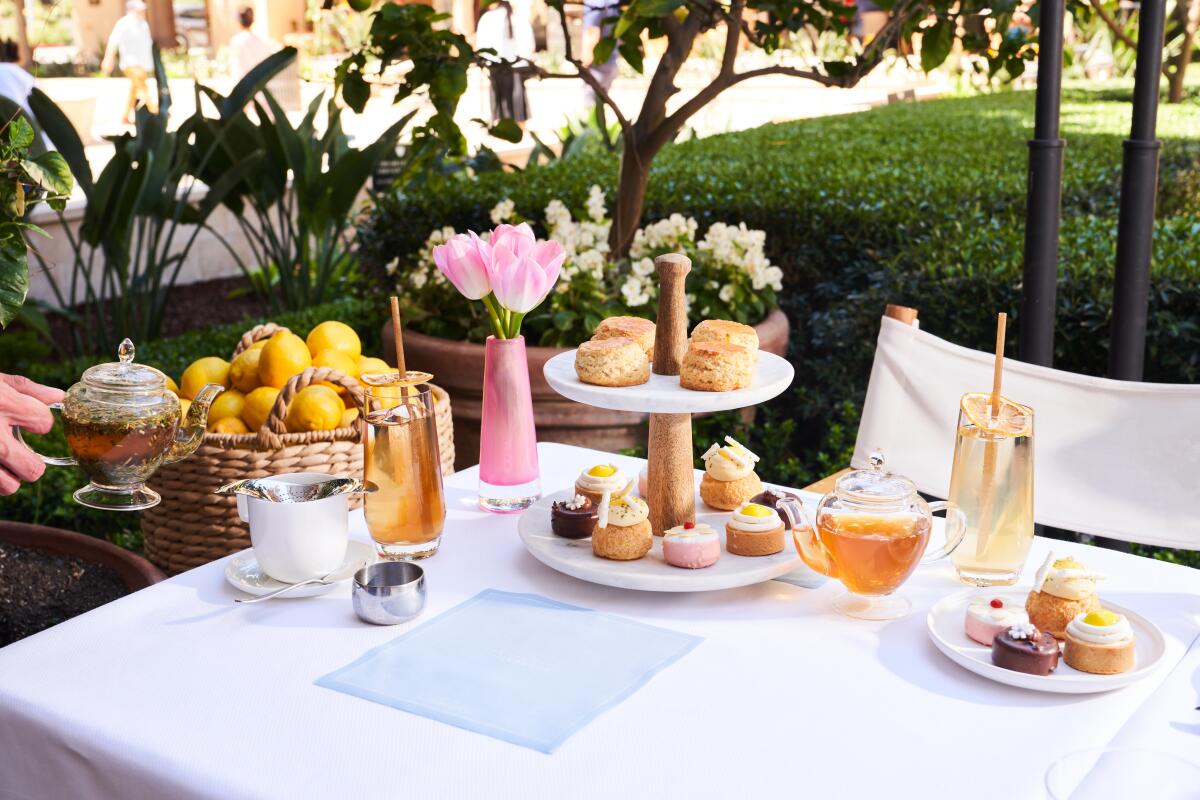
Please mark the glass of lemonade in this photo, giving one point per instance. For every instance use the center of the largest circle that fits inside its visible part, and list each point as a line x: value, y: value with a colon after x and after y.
x: 991, y: 480
x: 405, y: 516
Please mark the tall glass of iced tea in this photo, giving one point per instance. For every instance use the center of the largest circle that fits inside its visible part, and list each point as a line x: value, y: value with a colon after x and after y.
x: 405, y: 516
x: 871, y: 532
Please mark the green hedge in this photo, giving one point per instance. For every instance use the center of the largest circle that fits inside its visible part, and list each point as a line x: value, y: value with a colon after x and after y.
x: 921, y: 204
x: 48, y: 501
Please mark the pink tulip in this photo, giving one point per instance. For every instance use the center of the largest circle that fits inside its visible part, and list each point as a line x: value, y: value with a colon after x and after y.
x: 521, y: 280
x: 464, y: 260
x: 519, y: 239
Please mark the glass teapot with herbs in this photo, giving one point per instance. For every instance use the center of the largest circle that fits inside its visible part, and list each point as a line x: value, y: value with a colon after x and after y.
x: 122, y: 423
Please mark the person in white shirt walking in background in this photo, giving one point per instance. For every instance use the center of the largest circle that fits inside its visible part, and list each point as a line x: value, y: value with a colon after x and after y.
x: 507, y: 31
x: 15, y: 82
x: 131, y: 48
x: 246, y: 49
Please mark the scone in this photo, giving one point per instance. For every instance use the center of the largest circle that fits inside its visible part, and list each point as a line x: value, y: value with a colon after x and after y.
x: 1101, y: 642
x: 636, y: 328
x: 754, y: 530
x: 729, y: 478
x: 1063, y: 589
x: 715, y: 367
x: 723, y: 330
x: 612, y: 362
x: 623, y: 532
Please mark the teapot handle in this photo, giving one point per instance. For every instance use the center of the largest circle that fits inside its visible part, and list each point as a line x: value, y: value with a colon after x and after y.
x: 956, y: 529
x: 54, y: 461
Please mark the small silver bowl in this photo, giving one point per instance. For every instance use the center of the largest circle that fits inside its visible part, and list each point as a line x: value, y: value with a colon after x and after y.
x: 389, y: 592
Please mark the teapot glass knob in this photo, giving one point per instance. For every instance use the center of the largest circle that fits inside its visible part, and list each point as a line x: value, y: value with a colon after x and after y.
x: 125, y: 352
x: 876, y: 459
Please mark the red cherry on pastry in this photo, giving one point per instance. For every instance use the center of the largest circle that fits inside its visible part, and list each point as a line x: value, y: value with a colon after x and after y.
x: 687, y: 526
x: 997, y: 603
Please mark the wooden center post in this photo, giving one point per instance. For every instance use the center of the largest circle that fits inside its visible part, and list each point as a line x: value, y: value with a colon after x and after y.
x: 671, y: 481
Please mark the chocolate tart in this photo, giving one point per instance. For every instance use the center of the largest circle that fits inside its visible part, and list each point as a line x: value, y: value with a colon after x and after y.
x: 770, y: 498
x: 573, y: 523
x: 1035, y: 654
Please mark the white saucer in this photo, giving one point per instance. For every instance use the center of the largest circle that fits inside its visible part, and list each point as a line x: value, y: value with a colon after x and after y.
x: 244, y: 573
x: 945, y: 623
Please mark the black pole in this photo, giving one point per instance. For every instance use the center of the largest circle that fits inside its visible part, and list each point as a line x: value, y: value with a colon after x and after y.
x: 1139, y: 188
x: 1043, y: 207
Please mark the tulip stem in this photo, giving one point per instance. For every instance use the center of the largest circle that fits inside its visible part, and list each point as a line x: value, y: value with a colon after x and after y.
x: 514, y: 327
x: 493, y: 313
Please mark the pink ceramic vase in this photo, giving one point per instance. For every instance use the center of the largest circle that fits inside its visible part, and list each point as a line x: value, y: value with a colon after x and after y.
x: 508, y: 463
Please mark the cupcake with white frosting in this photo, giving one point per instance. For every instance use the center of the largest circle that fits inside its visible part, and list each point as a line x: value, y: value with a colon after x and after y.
x: 1101, y: 642
x: 623, y: 531
x: 754, y: 530
x: 729, y: 478
x: 596, y: 482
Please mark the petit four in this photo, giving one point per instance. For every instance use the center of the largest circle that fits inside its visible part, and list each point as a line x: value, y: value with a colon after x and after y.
x: 1063, y: 589
x: 986, y: 618
x: 595, y: 481
x: 636, y: 328
x: 1023, y: 648
x: 771, y: 497
x: 723, y: 330
x: 644, y: 482
x: 612, y: 362
x: 1100, y: 642
x: 574, y: 518
x: 691, y: 546
x: 717, y: 367
x: 623, y: 531
x: 754, y: 530
x: 729, y: 479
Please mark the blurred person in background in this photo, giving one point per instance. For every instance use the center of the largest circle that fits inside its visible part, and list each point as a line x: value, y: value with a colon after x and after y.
x: 15, y: 82
x: 507, y: 31
x: 131, y: 48
x: 246, y: 49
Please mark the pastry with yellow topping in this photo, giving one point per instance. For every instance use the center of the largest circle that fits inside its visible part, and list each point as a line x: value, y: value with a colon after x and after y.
x: 1062, y: 590
x: 602, y: 479
x: 729, y: 479
x: 1100, y: 642
x: 623, y: 531
x: 754, y: 530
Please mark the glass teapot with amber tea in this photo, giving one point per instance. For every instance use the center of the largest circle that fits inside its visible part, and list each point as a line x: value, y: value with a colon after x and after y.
x: 871, y: 532
x: 122, y: 423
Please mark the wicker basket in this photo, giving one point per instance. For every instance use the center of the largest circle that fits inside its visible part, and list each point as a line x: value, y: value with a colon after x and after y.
x: 192, y: 526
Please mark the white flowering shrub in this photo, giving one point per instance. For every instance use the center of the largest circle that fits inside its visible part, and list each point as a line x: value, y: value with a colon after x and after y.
x: 731, y: 276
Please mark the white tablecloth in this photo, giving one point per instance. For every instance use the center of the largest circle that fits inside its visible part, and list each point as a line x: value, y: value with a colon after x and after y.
x: 175, y: 692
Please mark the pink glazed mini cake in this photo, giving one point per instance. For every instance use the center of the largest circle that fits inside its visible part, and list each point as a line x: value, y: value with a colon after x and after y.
x: 691, y: 546
x: 988, y: 617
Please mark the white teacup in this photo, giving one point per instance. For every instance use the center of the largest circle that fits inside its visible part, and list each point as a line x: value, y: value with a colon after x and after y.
x: 294, y: 542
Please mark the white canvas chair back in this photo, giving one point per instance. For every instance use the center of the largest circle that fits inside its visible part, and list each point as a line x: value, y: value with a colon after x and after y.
x: 1111, y: 458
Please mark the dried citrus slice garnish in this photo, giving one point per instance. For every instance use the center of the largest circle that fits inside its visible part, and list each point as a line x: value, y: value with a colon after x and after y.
x: 1010, y: 419
x: 411, y: 378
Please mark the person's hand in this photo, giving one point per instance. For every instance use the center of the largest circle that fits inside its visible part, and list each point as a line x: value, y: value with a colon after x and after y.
x: 106, y: 66
x: 22, y: 404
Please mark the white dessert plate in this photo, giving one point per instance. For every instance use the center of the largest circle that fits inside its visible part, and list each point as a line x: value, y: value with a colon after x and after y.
x: 663, y: 394
x: 650, y: 573
x: 946, y: 620
x: 244, y: 573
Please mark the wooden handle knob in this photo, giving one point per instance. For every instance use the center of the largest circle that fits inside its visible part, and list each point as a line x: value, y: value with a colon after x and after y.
x: 670, y: 335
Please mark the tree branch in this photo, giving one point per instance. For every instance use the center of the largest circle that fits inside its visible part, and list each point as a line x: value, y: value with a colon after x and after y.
x: 1112, y: 24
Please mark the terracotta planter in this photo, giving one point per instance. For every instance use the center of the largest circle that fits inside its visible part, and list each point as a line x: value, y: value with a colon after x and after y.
x: 458, y: 367
x: 133, y: 570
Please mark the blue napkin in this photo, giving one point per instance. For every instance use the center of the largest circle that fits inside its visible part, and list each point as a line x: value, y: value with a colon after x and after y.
x: 516, y: 667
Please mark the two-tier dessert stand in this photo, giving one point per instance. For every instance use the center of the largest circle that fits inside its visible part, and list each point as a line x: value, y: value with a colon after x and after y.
x: 671, y: 484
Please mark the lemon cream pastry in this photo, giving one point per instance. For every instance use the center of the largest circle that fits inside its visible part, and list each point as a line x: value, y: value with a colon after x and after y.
x: 623, y: 531
x: 692, y: 545
x: 729, y: 478
x: 1100, y: 642
x: 595, y: 482
x: 612, y: 362
x: 754, y: 530
x: 723, y: 330
x: 717, y: 367
x: 636, y: 328
x: 1062, y: 590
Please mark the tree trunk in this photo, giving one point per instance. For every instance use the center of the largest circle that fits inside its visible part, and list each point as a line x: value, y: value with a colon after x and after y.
x: 631, y: 196
x: 24, y: 51
x: 1181, y: 61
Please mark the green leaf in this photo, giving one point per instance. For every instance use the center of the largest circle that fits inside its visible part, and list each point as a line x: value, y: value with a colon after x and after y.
x: 62, y: 133
x: 507, y: 130
x: 936, y: 43
x: 50, y: 171
x: 20, y: 132
x: 655, y: 8
x: 256, y: 80
x: 14, y: 278
x: 355, y: 91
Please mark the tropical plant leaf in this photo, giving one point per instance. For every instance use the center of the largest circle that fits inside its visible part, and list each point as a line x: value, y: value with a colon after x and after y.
x: 50, y: 171
x: 255, y: 81
x: 936, y: 43
x: 62, y: 133
x: 14, y: 278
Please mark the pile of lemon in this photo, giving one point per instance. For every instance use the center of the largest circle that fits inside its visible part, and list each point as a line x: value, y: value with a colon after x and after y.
x: 253, y: 380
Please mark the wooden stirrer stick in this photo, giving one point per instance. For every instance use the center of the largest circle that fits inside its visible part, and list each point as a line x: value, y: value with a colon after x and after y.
x: 998, y: 370
x: 398, y: 337
x: 988, y: 488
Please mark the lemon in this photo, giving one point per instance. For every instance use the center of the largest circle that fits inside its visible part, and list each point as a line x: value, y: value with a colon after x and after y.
x: 228, y: 425
x: 229, y: 404
x: 334, y: 335
x: 368, y: 365
x: 349, y: 417
x: 259, y: 345
x: 201, y: 371
x: 172, y: 386
x: 258, y: 406
x: 284, y: 355
x: 315, y: 408
x: 337, y: 360
x: 243, y: 372
x: 184, y: 405
x: 1010, y: 419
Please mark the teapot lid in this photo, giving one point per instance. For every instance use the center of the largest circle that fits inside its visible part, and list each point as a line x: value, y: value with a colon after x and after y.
x: 123, y: 375
x: 875, y: 484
